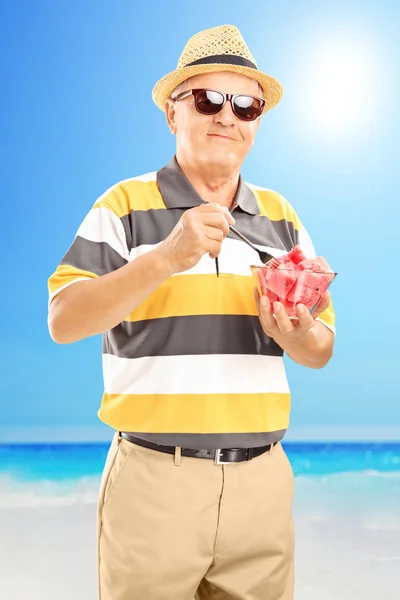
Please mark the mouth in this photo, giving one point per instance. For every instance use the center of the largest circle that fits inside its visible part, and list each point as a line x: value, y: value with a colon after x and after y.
x: 221, y: 137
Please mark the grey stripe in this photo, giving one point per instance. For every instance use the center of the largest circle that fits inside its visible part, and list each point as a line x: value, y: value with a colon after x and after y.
x: 97, y: 257
x: 150, y: 226
x: 261, y: 230
x: 214, y: 440
x: 190, y: 335
x: 154, y: 225
x: 246, y: 199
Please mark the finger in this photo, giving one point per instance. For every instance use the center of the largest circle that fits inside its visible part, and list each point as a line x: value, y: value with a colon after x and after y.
x: 282, y: 319
x: 214, y: 234
x: 257, y: 298
x: 267, y: 320
x: 212, y: 247
x: 216, y: 221
x: 306, y: 320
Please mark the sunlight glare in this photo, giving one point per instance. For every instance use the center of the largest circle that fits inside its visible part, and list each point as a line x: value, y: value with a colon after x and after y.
x: 339, y: 88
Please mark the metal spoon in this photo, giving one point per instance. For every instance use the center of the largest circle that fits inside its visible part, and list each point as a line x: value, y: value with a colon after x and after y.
x: 265, y: 257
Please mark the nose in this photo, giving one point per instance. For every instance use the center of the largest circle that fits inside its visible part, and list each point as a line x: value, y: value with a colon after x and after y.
x: 225, y: 116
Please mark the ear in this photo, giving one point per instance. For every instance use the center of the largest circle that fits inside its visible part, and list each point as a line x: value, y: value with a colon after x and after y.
x: 170, y: 114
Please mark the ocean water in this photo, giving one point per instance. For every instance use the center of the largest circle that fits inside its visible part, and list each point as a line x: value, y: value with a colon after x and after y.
x: 344, y: 477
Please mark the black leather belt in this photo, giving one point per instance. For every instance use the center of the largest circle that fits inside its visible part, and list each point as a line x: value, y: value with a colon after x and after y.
x: 221, y: 455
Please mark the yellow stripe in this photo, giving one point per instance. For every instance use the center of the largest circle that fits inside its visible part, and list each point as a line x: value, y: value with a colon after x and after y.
x: 328, y: 315
x: 185, y: 295
x: 274, y: 206
x: 132, y: 195
x: 196, y: 413
x: 65, y: 274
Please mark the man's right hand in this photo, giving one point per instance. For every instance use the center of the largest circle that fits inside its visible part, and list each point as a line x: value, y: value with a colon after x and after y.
x: 200, y: 230
x: 97, y: 305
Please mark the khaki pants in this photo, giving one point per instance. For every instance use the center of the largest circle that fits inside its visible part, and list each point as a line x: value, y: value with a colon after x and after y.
x: 171, y: 529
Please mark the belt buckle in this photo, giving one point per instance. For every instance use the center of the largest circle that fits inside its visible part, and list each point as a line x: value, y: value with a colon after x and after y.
x: 218, y: 460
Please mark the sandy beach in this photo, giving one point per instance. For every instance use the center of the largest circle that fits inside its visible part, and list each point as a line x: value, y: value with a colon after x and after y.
x: 346, y: 513
x: 48, y: 552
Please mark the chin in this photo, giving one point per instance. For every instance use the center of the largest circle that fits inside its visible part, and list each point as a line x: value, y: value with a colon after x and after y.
x: 221, y: 160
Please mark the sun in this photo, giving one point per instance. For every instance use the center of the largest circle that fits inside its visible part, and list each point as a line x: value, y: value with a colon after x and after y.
x: 336, y: 89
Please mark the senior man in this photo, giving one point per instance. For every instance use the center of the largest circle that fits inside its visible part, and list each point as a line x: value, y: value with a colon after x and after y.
x: 196, y: 493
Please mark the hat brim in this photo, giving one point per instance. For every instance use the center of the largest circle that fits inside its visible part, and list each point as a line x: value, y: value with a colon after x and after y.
x: 162, y: 90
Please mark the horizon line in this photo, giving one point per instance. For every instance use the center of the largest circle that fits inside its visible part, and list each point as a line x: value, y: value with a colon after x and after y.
x: 103, y: 434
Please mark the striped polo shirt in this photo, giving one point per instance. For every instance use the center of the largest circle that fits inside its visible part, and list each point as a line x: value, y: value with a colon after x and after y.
x: 191, y: 366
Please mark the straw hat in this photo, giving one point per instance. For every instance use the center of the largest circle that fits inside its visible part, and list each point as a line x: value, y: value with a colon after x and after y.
x: 217, y: 49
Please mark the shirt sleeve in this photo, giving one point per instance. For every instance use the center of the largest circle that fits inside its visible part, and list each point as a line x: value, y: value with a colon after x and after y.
x: 100, y: 244
x: 327, y: 317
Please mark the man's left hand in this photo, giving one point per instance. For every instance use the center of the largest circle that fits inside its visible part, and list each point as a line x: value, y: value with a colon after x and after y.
x: 281, y: 328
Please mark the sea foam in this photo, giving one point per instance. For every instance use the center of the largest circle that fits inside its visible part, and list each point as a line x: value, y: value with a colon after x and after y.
x: 47, y: 493
x: 19, y: 493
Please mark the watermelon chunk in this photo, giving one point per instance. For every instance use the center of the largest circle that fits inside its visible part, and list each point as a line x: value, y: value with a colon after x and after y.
x: 281, y: 280
x: 271, y: 297
x: 296, y: 279
x: 317, y: 265
x: 308, y: 291
x: 287, y: 264
x: 290, y: 307
x: 296, y: 255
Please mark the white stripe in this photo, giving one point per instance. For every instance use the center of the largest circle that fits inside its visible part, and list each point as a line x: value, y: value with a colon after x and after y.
x: 54, y: 294
x: 143, y: 249
x: 235, y: 258
x: 102, y: 225
x: 305, y: 243
x: 204, y: 374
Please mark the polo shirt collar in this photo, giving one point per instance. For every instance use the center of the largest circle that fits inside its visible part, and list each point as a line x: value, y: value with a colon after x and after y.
x: 178, y: 192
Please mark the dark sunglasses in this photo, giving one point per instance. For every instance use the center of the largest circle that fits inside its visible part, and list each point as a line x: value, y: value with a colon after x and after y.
x: 210, y: 102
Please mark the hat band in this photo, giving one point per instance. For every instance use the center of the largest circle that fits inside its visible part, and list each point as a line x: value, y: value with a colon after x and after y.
x: 227, y: 59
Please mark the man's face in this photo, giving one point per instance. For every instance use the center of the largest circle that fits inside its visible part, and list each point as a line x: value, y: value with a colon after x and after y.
x: 219, y: 141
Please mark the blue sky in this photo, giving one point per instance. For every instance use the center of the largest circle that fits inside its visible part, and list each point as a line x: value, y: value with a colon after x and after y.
x: 74, y: 73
